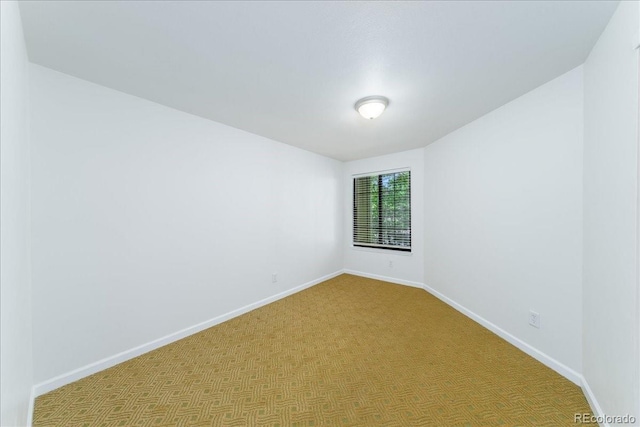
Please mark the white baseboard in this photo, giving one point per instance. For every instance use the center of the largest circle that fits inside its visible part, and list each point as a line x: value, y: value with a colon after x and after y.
x: 541, y: 357
x: 32, y: 401
x: 593, y: 402
x: 385, y: 278
x: 100, y: 365
x: 547, y: 360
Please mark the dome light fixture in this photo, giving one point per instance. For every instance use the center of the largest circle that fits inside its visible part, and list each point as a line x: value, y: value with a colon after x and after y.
x: 371, y: 106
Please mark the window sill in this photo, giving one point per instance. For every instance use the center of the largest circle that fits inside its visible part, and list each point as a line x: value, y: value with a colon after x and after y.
x: 381, y: 251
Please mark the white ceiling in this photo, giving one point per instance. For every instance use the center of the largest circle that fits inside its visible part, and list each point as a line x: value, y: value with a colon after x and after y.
x: 292, y: 71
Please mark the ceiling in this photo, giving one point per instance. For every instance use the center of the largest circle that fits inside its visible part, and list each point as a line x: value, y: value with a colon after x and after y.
x: 292, y: 71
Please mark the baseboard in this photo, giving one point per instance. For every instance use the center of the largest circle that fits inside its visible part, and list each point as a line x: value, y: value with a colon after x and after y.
x: 75, y: 375
x: 593, y: 402
x: 32, y: 401
x: 385, y: 278
x: 543, y: 358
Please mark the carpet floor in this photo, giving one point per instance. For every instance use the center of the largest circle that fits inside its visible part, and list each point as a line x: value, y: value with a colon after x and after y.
x: 349, y: 351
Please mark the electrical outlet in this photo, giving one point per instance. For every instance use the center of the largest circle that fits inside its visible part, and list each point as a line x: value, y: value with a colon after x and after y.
x: 534, y: 319
x: 274, y: 278
x: 390, y: 264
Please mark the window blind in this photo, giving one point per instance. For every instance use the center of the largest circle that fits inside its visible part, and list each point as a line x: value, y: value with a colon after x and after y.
x: 382, y: 211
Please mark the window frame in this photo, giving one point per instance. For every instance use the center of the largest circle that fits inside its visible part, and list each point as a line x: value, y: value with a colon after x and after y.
x: 379, y: 246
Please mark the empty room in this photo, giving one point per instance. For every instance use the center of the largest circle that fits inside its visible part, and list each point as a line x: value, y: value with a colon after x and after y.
x: 319, y: 213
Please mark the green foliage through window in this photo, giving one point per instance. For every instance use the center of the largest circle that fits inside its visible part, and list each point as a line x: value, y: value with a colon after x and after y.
x: 382, y: 211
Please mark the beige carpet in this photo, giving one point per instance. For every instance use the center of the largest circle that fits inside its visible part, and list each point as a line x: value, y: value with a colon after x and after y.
x: 349, y: 351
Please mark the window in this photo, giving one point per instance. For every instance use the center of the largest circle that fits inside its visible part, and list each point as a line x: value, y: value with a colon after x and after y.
x: 382, y: 211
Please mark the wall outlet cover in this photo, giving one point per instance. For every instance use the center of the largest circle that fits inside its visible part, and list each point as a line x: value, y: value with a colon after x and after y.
x: 534, y: 319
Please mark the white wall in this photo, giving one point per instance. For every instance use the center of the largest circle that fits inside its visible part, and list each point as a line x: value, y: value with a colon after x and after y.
x: 15, y: 295
x: 147, y: 220
x: 407, y: 267
x: 610, y: 291
x: 503, y: 217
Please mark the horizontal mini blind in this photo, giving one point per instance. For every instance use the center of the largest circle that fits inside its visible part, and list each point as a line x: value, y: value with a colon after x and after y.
x: 382, y: 211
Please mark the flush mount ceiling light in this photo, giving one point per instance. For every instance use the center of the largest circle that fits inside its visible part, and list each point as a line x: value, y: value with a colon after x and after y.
x: 371, y: 106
